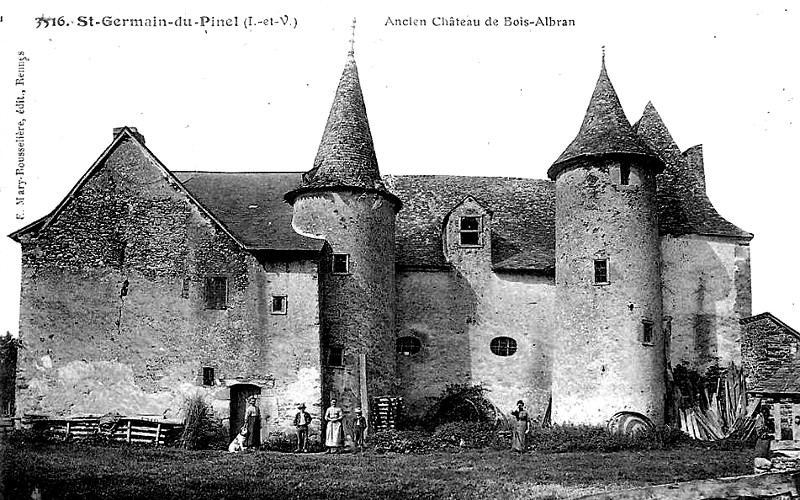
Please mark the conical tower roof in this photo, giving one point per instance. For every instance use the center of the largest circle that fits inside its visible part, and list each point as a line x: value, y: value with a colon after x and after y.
x: 605, y: 130
x: 346, y: 155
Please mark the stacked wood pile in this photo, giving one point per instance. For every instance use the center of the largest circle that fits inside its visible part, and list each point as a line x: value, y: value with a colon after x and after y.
x: 386, y: 412
x: 715, y: 414
x: 6, y: 426
x: 140, y: 430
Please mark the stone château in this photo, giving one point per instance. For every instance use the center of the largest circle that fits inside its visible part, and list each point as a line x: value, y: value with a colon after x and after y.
x: 574, y: 293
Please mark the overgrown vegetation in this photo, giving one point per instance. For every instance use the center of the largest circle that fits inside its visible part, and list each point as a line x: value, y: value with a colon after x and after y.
x: 460, y: 403
x: 200, y: 429
x: 555, y: 439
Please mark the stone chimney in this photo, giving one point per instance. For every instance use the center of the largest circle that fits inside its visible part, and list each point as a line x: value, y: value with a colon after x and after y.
x: 134, y: 131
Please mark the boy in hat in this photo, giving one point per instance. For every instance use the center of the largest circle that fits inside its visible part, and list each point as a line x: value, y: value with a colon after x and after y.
x: 301, y: 422
x: 359, y: 425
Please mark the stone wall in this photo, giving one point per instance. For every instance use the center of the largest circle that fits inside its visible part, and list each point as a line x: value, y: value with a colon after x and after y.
x: 602, y: 364
x: 456, y: 319
x: 770, y: 356
x: 113, y: 306
x: 706, y: 292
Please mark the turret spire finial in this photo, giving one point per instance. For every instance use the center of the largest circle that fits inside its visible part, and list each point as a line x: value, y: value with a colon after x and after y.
x: 603, y: 48
x: 352, y: 38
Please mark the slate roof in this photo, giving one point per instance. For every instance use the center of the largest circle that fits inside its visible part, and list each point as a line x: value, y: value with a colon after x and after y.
x: 684, y: 207
x: 523, y: 218
x: 251, y: 206
x: 346, y: 155
x: 605, y: 130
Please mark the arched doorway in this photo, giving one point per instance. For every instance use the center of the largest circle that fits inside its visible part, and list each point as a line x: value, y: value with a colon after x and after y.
x: 239, y: 395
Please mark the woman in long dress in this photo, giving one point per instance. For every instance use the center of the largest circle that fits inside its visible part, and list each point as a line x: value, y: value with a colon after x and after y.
x: 521, y: 427
x: 334, y: 433
x: 252, y: 421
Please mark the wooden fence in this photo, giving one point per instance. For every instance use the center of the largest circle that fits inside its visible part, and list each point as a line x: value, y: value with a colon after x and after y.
x: 140, y: 430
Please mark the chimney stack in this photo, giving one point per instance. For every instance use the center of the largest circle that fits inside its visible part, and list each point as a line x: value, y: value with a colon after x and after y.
x: 134, y: 131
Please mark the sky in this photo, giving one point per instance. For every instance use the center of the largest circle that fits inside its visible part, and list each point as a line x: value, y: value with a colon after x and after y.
x: 491, y: 100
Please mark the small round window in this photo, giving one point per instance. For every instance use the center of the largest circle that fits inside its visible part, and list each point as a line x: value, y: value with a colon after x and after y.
x: 503, y: 346
x: 408, y: 345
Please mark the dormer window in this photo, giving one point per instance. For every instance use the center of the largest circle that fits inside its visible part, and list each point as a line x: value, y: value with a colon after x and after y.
x: 470, y: 231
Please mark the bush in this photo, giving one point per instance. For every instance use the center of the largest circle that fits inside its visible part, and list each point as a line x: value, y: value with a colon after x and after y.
x: 470, y: 435
x: 407, y: 442
x: 460, y: 403
x: 31, y: 436
x: 570, y: 438
x: 199, y: 428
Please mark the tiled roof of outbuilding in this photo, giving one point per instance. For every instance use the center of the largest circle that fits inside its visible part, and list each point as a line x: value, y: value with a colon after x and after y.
x: 346, y: 155
x: 684, y: 207
x: 523, y: 218
x: 251, y: 206
x: 605, y: 130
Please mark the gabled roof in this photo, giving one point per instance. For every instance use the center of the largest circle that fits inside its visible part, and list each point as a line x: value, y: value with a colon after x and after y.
x: 121, y: 134
x: 683, y: 205
x: 346, y: 155
x: 523, y: 218
x: 251, y: 205
x: 605, y: 130
x: 771, y: 318
x: 785, y: 379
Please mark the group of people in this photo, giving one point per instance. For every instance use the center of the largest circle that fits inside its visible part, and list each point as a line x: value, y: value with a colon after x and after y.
x: 249, y: 436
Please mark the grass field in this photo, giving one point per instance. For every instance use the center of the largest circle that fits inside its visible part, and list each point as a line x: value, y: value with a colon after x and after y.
x: 72, y: 471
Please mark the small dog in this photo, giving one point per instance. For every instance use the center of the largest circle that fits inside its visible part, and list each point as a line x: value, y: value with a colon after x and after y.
x: 237, y: 444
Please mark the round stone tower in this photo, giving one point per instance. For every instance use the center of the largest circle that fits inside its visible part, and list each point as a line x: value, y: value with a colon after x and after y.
x: 608, y: 344
x: 343, y: 200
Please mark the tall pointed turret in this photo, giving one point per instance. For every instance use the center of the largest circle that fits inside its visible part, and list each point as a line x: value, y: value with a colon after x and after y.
x: 609, y: 351
x: 346, y: 155
x: 605, y: 129
x: 343, y: 200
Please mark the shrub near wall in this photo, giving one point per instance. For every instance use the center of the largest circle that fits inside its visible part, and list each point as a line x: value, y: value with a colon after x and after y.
x: 557, y: 439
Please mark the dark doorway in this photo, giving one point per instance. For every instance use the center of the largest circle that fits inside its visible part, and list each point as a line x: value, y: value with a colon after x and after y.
x: 239, y: 395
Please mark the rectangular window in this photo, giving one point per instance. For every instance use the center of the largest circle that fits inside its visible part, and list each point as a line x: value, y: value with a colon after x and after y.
x: 185, y: 290
x: 216, y: 292
x: 208, y: 375
x: 624, y: 174
x: 279, y: 304
x: 341, y: 263
x: 647, y: 331
x: 335, y: 356
x: 601, y: 271
x: 470, y: 231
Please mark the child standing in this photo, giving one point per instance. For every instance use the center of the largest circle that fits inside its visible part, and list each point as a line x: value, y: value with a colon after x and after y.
x: 359, y: 425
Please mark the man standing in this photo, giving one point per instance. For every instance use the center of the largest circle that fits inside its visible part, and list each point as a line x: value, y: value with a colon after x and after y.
x: 301, y: 422
x: 252, y: 420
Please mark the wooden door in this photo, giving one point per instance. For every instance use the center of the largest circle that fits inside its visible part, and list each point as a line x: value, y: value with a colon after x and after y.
x: 239, y: 395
